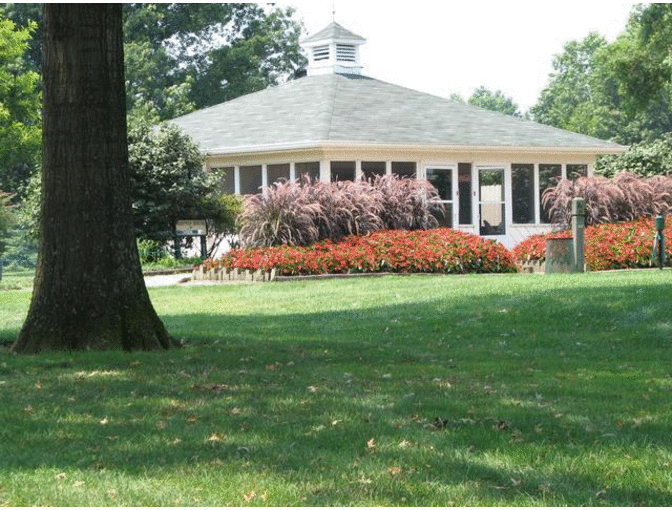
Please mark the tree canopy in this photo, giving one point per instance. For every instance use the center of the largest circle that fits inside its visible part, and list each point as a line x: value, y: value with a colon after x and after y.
x: 180, y: 57
x: 620, y: 91
x: 495, y: 101
x: 20, y: 103
x: 489, y: 100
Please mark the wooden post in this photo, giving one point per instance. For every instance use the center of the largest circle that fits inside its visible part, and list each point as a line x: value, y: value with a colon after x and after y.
x: 578, y: 222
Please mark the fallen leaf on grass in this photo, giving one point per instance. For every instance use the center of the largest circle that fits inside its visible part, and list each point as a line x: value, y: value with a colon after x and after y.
x: 215, y: 437
x: 60, y: 476
x: 501, y: 425
x: 371, y: 445
x: 253, y: 495
x: 395, y: 470
x: 79, y: 484
x: 215, y: 387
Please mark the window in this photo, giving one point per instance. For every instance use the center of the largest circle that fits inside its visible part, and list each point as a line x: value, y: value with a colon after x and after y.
x: 227, y: 184
x: 371, y: 169
x: 250, y: 180
x: 321, y: 53
x: 310, y: 170
x: 404, y: 169
x: 442, y: 180
x: 278, y: 173
x: 549, y: 176
x: 464, y: 193
x: 576, y: 171
x: 342, y: 171
x: 345, y: 52
x: 522, y: 192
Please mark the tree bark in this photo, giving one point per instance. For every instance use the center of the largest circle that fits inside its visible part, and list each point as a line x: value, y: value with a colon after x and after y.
x: 89, y: 291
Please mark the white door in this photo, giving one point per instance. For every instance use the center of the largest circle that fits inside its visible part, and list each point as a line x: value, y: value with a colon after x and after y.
x: 491, y: 205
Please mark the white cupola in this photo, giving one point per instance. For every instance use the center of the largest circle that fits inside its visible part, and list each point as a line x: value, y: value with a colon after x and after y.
x: 333, y: 50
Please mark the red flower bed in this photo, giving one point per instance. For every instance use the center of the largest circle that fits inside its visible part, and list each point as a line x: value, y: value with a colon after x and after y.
x: 440, y: 250
x: 626, y: 245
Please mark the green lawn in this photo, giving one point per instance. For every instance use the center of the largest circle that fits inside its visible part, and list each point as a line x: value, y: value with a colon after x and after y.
x: 14, y: 278
x: 420, y: 390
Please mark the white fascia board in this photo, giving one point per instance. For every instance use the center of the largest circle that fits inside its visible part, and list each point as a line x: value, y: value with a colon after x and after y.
x: 355, y: 146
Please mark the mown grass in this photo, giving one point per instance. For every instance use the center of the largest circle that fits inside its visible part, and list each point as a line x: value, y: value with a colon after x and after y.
x: 419, y: 390
x: 15, y: 278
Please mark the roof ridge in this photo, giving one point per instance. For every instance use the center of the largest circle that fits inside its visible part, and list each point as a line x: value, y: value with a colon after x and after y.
x: 332, y: 111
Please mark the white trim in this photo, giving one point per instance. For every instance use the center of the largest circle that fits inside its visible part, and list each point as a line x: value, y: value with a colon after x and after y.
x: 236, y: 179
x: 325, y: 170
x: 354, y: 146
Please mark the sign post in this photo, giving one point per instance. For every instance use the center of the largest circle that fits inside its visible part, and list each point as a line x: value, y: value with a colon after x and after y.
x: 578, y: 223
x: 659, y: 241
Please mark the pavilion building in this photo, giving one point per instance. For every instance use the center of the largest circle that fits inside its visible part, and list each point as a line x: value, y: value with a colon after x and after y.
x: 337, y: 124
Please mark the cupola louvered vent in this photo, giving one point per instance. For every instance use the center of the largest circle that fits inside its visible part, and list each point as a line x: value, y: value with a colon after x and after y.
x: 321, y: 53
x: 345, y: 53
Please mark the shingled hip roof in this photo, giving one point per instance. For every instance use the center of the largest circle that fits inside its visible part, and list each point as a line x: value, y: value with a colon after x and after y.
x: 341, y: 110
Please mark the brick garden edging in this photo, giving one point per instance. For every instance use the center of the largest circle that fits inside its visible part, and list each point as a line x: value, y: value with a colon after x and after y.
x: 532, y: 266
x: 242, y: 275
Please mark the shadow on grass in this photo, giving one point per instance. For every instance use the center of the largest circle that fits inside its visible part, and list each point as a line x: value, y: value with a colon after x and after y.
x: 540, y: 396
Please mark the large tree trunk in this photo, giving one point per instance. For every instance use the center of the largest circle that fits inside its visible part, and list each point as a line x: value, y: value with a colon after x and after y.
x: 89, y: 291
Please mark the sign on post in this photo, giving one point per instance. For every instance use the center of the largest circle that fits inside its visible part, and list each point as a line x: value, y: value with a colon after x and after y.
x: 190, y: 228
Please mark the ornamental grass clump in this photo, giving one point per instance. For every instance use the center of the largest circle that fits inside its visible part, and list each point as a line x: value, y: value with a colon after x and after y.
x: 303, y: 212
x: 282, y: 214
x: 622, y: 198
x: 408, y: 204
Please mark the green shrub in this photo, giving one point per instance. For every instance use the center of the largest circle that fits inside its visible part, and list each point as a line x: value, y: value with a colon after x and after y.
x: 644, y: 159
x: 151, y: 251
